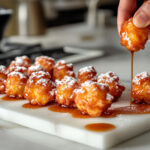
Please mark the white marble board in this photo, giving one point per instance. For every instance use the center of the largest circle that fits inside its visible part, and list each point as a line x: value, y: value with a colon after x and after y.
x: 63, y: 125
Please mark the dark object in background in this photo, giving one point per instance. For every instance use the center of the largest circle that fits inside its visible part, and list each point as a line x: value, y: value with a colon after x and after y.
x: 71, y: 16
x: 4, y: 17
x: 67, y: 17
x: 12, y: 50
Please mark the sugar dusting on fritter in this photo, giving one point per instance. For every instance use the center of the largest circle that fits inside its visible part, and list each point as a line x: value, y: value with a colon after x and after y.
x: 140, y: 76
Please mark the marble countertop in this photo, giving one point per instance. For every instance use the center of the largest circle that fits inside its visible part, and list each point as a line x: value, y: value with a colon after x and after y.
x: 116, y: 59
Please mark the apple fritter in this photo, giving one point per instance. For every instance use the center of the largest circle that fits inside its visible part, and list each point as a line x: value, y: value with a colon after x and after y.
x: 93, y: 98
x: 15, y: 84
x: 112, y: 80
x: 40, y: 90
x: 132, y: 37
x: 65, y: 91
x: 62, y: 69
x: 141, y: 88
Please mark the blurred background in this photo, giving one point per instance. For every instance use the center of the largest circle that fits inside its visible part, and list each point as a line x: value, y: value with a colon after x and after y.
x: 54, y: 24
x: 51, y: 13
x: 79, y: 31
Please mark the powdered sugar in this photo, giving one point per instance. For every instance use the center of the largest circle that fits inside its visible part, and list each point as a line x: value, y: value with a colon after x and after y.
x: 125, y: 37
x: 3, y: 69
x: 140, y: 76
x: 21, y: 60
x: 18, y: 69
x: 90, y: 83
x: 35, y: 68
x: 109, y: 97
x: 39, y: 74
x: 69, y: 81
x: 87, y: 69
x: 43, y: 82
x: 108, y: 77
x: 14, y: 73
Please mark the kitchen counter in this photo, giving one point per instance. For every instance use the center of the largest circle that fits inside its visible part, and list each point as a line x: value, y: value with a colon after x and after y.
x: 116, y: 59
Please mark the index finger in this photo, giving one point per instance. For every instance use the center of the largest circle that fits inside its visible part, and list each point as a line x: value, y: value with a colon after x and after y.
x: 125, y: 11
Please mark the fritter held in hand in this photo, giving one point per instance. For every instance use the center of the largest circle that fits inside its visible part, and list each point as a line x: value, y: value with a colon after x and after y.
x: 15, y: 84
x: 141, y: 88
x: 62, y: 69
x: 46, y: 62
x: 86, y: 73
x: 65, y: 91
x: 93, y: 98
x: 133, y: 38
x: 3, y: 77
x: 112, y: 80
x: 39, y: 89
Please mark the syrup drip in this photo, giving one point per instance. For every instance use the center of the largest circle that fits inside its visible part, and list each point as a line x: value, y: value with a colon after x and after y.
x: 132, y: 63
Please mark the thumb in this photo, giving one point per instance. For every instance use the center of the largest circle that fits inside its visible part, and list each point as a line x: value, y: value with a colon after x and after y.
x: 141, y: 18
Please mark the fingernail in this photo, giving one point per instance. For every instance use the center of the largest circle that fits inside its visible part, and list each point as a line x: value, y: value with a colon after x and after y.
x: 141, y: 20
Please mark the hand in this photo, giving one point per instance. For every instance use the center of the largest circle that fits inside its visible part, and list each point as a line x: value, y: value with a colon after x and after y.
x: 126, y: 10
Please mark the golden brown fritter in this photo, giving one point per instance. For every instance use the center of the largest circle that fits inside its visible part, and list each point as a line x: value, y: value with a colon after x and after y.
x: 39, y: 89
x: 65, y: 91
x: 93, y: 98
x: 22, y: 61
x: 3, y: 77
x: 46, y: 62
x: 15, y: 84
x: 133, y: 38
x: 112, y: 80
x: 141, y: 88
x: 62, y: 69
x: 86, y: 73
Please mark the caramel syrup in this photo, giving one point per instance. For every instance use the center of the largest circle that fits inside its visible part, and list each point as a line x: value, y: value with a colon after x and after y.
x: 30, y: 106
x: 100, y: 127
x: 73, y: 111
x: 134, y: 109
x: 8, y: 98
x: 110, y: 113
x: 132, y: 63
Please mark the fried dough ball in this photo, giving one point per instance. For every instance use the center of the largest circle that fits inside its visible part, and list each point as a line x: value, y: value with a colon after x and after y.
x: 86, y: 73
x: 3, y: 77
x: 35, y: 68
x: 39, y: 89
x: 112, y: 80
x: 64, y: 91
x: 23, y: 61
x: 21, y: 69
x: 141, y: 88
x: 46, y: 62
x: 62, y: 69
x: 133, y: 38
x: 15, y: 84
x: 93, y: 98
